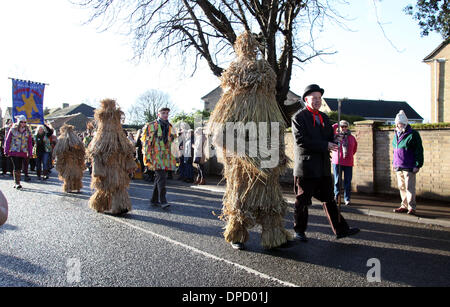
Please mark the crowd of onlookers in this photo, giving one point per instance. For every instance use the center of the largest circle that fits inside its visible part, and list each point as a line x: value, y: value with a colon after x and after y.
x: 42, y: 142
x: 189, y: 151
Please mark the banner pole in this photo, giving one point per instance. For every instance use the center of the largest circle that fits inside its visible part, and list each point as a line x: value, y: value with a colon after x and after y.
x: 29, y: 81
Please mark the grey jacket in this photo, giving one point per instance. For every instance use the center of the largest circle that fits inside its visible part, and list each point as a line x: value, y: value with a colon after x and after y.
x: 311, y: 154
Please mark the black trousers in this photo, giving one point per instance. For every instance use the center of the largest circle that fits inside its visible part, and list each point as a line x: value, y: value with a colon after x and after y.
x: 159, y: 189
x: 321, y: 189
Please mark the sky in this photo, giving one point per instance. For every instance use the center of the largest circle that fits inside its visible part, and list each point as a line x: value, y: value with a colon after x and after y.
x: 47, y: 41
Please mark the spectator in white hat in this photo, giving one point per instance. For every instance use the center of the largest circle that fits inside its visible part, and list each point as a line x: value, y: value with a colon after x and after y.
x: 408, y: 159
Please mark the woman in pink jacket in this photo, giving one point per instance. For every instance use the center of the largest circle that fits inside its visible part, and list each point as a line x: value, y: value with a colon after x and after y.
x: 346, y: 152
x: 18, y: 146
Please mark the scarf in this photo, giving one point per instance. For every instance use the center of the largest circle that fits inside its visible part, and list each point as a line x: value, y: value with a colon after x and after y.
x: 345, y: 144
x: 315, y: 113
x: 164, y: 128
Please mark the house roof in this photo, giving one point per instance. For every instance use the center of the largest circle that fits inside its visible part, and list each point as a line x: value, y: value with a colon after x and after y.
x: 213, y: 95
x: 78, y: 120
x: 83, y: 108
x: 437, y: 50
x: 216, y: 93
x: 373, y: 108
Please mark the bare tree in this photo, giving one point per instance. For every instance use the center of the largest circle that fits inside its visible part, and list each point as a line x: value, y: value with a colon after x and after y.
x: 202, y: 29
x: 146, y: 107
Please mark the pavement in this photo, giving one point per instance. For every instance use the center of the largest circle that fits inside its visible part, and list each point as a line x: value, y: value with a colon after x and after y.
x: 53, y: 238
x: 428, y: 212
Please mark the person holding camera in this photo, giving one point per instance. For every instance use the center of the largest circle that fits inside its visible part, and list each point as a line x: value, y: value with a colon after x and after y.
x: 342, y: 160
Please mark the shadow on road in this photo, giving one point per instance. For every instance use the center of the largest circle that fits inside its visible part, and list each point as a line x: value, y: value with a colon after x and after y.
x: 19, y: 265
x: 8, y: 227
x: 202, y: 230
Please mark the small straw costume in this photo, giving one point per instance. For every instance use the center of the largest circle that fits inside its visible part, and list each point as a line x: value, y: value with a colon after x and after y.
x: 70, y: 156
x: 253, y: 193
x: 112, y: 159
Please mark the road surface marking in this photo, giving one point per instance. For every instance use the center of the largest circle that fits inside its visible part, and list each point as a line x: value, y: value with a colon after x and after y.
x: 208, y: 255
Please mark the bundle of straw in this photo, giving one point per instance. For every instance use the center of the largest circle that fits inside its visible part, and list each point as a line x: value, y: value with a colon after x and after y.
x: 253, y: 194
x: 111, y: 154
x: 70, y: 154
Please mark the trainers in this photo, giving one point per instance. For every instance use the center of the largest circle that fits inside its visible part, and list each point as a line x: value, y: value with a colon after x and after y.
x: 400, y: 210
x: 349, y: 232
x: 347, y: 203
x: 301, y: 236
x: 411, y: 212
x: 238, y: 246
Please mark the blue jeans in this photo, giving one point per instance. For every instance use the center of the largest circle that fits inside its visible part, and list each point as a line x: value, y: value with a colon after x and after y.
x: 348, y: 173
x: 42, y: 160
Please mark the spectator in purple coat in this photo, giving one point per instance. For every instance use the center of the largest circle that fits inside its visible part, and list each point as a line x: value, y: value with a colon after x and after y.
x: 18, y: 146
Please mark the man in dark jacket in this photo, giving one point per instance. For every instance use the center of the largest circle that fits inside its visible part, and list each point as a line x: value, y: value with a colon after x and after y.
x: 313, y: 140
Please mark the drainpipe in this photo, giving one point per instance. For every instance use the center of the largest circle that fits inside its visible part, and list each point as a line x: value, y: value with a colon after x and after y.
x: 436, y: 89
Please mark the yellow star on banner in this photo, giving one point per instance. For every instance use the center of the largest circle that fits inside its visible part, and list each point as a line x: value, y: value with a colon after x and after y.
x: 29, y: 105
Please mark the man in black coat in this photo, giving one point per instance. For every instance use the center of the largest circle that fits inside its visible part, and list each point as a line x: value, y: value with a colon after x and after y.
x: 313, y: 140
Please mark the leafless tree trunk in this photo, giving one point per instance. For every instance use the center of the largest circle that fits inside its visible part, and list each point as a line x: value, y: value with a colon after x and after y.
x: 145, y: 109
x: 207, y: 29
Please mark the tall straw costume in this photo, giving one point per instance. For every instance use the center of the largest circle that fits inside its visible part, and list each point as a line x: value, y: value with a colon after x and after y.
x: 70, y: 155
x: 253, y: 193
x: 111, y: 154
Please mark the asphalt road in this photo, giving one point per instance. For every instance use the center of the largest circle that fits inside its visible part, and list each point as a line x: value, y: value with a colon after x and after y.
x: 54, y: 239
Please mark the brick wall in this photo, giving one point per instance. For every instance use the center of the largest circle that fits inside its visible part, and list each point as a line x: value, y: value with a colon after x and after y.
x: 373, y: 172
x: 433, y: 180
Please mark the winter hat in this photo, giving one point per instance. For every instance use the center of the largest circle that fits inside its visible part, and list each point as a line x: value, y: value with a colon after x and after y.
x: 401, y: 118
x: 20, y: 118
x: 344, y: 123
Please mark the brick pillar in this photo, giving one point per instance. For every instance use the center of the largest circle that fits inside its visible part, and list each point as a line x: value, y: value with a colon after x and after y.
x: 364, y: 170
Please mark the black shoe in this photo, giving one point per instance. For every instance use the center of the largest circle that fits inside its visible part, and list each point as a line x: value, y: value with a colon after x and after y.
x: 349, y: 232
x: 120, y: 213
x: 18, y: 187
x: 238, y: 246
x: 301, y: 236
x: 27, y: 178
x: 155, y: 203
x: 165, y: 205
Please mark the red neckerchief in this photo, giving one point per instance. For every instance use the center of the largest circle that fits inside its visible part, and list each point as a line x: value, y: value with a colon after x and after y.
x: 315, y: 112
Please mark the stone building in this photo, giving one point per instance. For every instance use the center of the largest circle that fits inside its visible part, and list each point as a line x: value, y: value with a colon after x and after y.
x: 438, y: 60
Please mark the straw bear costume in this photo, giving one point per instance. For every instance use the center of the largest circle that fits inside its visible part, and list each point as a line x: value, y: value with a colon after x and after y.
x: 253, y: 193
x: 112, y: 159
x: 70, y: 156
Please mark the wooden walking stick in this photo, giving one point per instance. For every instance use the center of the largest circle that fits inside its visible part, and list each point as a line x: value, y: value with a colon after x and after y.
x: 339, y: 162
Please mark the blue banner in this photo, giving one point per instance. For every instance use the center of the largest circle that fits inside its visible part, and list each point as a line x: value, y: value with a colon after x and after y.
x: 28, y: 100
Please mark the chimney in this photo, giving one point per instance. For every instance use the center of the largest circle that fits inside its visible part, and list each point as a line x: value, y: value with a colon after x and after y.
x: 65, y: 105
